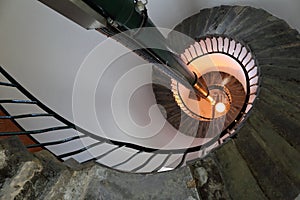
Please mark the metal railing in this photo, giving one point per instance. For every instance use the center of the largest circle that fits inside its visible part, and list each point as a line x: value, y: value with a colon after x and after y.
x: 242, y: 54
x: 168, y: 157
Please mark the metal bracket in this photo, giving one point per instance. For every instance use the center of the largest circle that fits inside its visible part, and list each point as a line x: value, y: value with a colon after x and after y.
x: 141, y: 6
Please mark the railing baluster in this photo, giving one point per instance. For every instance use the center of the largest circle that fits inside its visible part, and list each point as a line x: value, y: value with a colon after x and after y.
x: 223, y: 40
x: 251, y: 69
x: 196, y: 52
x: 181, y: 161
x: 201, y: 48
x: 79, y: 150
x: 106, y: 153
x: 127, y: 160
x: 162, y: 164
x: 206, y: 46
x: 246, y: 55
x: 190, y: 53
x: 144, y: 164
x: 218, y: 44
x: 211, y: 44
x: 254, y: 76
x: 250, y: 60
x: 241, y: 50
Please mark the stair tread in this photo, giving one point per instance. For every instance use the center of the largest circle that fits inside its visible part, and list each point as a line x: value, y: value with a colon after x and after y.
x: 231, y: 15
x: 273, y: 30
x: 219, y: 18
x: 275, y: 145
x: 248, y: 22
x: 281, y: 124
x: 262, y: 167
x: 233, y: 167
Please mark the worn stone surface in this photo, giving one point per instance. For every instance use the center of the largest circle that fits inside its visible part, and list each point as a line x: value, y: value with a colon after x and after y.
x: 167, y: 185
x: 210, y: 184
x: 17, y: 186
x: 14, y: 160
x: 2, y: 159
x: 57, y: 191
x: 52, y: 170
x: 201, y: 175
x: 80, y: 183
x: 237, y: 176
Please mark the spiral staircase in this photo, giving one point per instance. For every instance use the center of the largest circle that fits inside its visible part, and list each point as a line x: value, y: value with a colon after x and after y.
x: 262, y: 161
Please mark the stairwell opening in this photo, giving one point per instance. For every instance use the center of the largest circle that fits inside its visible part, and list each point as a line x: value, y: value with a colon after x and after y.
x: 230, y: 70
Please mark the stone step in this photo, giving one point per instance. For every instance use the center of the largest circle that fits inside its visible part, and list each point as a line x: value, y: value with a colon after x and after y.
x: 275, y: 145
x: 265, y: 25
x: 214, y: 13
x: 76, y: 184
x: 287, y: 91
x: 279, y: 124
x: 238, y: 19
x: 177, y: 184
x: 237, y: 176
x: 221, y: 15
x: 179, y: 41
x: 273, y: 181
x: 249, y: 22
x: 208, y: 179
x: 228, y: 19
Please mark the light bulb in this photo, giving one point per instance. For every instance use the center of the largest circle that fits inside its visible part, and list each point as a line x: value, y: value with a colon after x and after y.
x: 220, y: 107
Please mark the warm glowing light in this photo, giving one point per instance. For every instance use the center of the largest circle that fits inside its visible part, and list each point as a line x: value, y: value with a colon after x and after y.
x: 220, y: 107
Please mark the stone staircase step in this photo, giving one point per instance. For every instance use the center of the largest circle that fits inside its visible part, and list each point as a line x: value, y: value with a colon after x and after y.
x: 214, y: 13
x: 238, y: 19
x: 238, y: 178
x: 287, y: 91
x: 219, y: 18
x: 208, y: 180
x: 277, y: 147
x: 279, y: 124
x: 275, y: 72
x: 230, y: 19
x: 265, y: 25
x: 248, y: 23
x: 280, y: 186
x: 177, y: 184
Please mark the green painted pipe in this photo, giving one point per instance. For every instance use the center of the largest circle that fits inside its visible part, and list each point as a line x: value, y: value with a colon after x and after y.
x: 123, y: 14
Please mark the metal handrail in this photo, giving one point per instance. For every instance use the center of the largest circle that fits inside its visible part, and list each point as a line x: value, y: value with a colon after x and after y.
x: 67, y: 125
x: 245, y: 111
